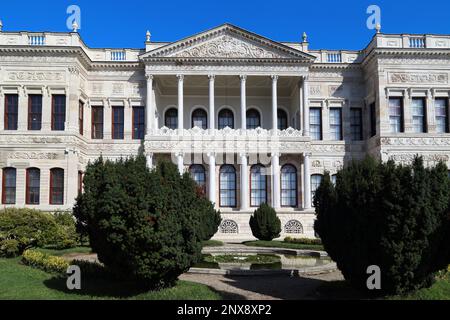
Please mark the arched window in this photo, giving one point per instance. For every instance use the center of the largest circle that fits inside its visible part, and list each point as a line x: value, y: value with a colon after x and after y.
x: 334, y: 179
x: 253, y: 119
x: 227, y: 186
x: 258, y: 186
x: 198, y: 174
x: 200, y: 119
x: 226, y: 119
x: 171, y: 119
x: 289, y: 186
x: 33, y: 186
x: 316, y: 180
x: 57, y: 186
x: 9, y: 186
x: 282, y: 120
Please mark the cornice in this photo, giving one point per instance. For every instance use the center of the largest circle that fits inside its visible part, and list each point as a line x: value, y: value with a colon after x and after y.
x: 402, y: 52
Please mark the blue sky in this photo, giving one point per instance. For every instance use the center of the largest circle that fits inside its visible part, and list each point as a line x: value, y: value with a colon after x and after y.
x: 336, y: 24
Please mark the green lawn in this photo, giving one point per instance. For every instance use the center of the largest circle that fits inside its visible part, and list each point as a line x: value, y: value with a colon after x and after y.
x: 284, y: 245
x: 341, y: 290
x: 212, y: 243
x: 58, y: 253
x: 21, y: 282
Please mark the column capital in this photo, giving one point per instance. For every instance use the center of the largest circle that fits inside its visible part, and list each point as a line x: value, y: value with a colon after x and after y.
x: 212, y: 77
x: 179, y: 154
x: 180, y: 77
x: 211, y: 154
x: 276, y: 154
x: 307, y: 154
x: 305, y: 78
x: 243, y: 154
x: 243, y: 77
x: 149, y: 77
x: 274, y: 77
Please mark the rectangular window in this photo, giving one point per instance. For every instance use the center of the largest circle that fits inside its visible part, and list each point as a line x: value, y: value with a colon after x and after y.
x: 356, y: 124
x: 58, y: 112
x: 419, y: 119
x: 336, y: 123
x: 373, y: 120
x: 81, y: 117
x: 33, y: 186
x: 441, y: 111
x: 35, y: 112
x: 315, y: 126
x: 396, y: 115
x: 11, y: 111
x: 117, y: 123
x: 138, y: 123
x: 97, y: 122
x: 9, y: 186
x: 57, y: 186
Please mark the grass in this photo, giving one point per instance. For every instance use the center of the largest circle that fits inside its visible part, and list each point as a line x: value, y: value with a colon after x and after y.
x: 212, y: 243
x: 20, y: 282
x: 343, y: 291
x: 58, y: 253
x: 284, y: 245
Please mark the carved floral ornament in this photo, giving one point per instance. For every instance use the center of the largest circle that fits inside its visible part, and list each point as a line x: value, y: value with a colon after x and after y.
x: 33, y: 156
x: 35, y: 76
x: 424, y: 78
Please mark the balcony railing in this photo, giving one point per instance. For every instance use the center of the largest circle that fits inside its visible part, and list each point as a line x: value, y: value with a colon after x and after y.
x: 335, y: 57
x: 118, y: 55
x: 36, y: 40
x: 417, y: 42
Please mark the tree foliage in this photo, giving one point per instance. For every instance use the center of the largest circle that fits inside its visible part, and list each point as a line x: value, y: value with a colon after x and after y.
x: 395, y: 217
x: 265, y: 224
x: 144, y: 225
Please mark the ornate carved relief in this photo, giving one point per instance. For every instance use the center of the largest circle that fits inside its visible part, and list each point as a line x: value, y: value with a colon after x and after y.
x: 229, y: 227
x: 293, y: 227
x: 35, y: 76
x: 33, y: 156
x: 422, y: 78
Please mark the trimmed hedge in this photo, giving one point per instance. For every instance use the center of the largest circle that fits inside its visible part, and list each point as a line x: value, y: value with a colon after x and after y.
x: 392, y: 216
x: 45, y: 262
x: 306, y: 241
x: 265, y: 224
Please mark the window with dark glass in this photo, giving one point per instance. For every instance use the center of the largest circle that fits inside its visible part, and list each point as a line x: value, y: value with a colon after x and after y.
x: 282, y: 120
x: 57, y: 186
x: 336, y: 123
x: 138, y: 123
x: 258, y: 186
x: 253, y: 119
x: 9, y: 186
x: 373, y: 120
x: 81, y: 117
x: 226, y: 119
x: 419, y: 119
x: 396, y: 115
x: 289, y: 186
x: 198, y: 174
x: 97, y: 122
x: 171, y: 119
x: 33, y: 186
x: 356, y: 124
x: 315, y: 123
x: 58, y: 112
x: 80, y: 182
x: 334, y: 179
x: 11, y: 111
x: 200, y: 119
x: 441, y: 111
x: 118, y: 123
x: 35, y: 112
x: 227, y: 186
x: 316, y: 180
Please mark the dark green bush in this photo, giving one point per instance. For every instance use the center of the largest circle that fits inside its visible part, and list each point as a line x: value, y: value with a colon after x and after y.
x: 395, y: 217
x: 145, y: 226
x: 303, y: 241
x: 9, y: 248
x: 265, y: 224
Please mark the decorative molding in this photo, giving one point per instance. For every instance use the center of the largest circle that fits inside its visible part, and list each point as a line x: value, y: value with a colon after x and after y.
x: 421, y: 78
x: 35, y: 76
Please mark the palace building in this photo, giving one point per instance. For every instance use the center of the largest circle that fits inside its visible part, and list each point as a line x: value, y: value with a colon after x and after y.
x: 253, y: 120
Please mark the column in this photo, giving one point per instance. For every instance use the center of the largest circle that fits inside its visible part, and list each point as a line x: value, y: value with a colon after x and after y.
x: 180, y: 101
x: 128, y: 119
x: 244, y: 182
x: 71, y: 177
x: 180, y: 163
x: 150, y: 111
x: 212, y: 177
x: 430, y: 113
x: 243, y: 102
x: 107, y: 119
x: 2, y: 111
x: 307, y: 181
x: 22, y: 124
x: 47, y: 110
x: 212, y: 117
x: 276, y: 181
x: 305, y: 107
x: 274, y: 103
x: 150, y: 163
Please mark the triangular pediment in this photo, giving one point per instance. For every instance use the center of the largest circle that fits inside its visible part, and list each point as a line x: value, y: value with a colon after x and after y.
x: 228, y: 42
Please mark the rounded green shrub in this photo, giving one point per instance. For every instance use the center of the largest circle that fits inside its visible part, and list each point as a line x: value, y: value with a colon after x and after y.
x: 144, y: 225
x: 391, y: 216
x: 265, y: 224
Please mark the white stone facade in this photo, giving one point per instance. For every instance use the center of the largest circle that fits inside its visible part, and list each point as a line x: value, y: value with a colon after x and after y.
x: 335, y: 107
